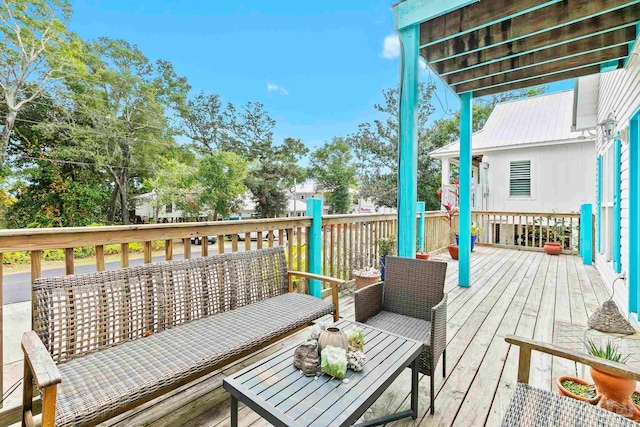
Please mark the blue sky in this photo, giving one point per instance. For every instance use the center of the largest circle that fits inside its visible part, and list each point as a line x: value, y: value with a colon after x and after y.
x: 318, y: 66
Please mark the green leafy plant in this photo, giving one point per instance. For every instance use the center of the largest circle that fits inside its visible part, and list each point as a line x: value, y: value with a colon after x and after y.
x: 609, y: 352
x: 588, y: 391
x: 386, y: 246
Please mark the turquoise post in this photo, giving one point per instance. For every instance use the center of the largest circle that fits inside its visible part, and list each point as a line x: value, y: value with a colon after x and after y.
x: 464, y: 241
x: 586, y: 226
x: 634, y: 214
x: 314, y: 211
x: 617, y: 210
x: 421, y: 208
x: 408, y: 143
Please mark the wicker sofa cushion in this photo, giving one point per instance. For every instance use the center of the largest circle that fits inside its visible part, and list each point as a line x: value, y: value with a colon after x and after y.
x: 405, y: 326
x: 99, y: 383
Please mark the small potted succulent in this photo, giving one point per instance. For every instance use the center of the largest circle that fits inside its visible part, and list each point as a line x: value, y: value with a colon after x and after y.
x: 578, y: 389
x: 616, y: 391
x: 451, y: 213
x: 363, y: 274
x: 386, y: 247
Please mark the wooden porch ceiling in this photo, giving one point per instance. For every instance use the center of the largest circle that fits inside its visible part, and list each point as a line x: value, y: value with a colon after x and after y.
x: 495, y: 46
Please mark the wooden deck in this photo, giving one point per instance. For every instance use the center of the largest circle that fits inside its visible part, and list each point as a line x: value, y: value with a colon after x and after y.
x: 513, y: 292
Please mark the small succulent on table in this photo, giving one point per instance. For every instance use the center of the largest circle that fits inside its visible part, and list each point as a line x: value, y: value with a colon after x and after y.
x: 356, y: 360
x: 334, y: 362
x: 356, y: 339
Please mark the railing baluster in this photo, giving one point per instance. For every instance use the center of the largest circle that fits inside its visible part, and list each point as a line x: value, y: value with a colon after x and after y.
x: 186, y: 244
x: 332, y: 260
x: 281, y: 237
x: 147, y: 253
x: 234, y: 243
x: 100, y: 258
x: 299, y: 249
x: 220, y: 240
x: 259, y: 240
x: 124, y: 255
x: 270, y: 234
x: 68, y: 261
x: 204, y: 250
x: 168, y: 250
x: 289, y: 247
x: 247, y: 242
x: 344, y: 250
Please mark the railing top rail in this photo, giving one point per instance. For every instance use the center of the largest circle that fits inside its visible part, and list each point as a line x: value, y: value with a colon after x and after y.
x: 71, y: 237
x: 542, y: 214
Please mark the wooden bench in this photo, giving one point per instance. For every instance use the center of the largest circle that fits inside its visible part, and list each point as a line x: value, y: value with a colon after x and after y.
x: 105, y: 342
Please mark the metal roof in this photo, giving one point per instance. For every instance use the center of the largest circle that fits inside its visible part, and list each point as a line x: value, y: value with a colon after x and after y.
x: 543, y: 119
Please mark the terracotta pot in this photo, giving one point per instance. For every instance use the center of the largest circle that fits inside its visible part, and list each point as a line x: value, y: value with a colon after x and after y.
x: 333, y: 336
x: 616, y: 393
x: 552, y: 248
x: 422, y: 255
x: 364, y: 281
x: 564, y: 392
x: 453, y: 251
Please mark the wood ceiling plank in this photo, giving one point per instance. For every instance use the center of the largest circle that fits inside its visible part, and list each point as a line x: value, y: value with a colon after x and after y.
x: 597, y: 57
x: 550, y: 18
x: 565, y: 34
x: 573, y: 49
x: 586, y: 71
x: 473, y: 16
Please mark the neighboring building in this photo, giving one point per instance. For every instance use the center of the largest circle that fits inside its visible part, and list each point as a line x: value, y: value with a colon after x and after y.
x: 528, y: 158
x: 616, y: 96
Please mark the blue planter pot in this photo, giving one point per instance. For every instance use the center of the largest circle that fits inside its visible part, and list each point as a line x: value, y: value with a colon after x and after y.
x: 473, y: 242
x: 382, y: 261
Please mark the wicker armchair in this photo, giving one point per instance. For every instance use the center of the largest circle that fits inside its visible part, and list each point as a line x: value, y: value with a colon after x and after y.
x: 410, y: 302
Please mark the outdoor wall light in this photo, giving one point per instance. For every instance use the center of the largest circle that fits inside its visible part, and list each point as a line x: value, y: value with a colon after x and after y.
x: 608, y: 126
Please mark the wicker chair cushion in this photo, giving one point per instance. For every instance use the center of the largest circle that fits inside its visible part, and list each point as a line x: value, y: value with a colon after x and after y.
x: 405, y: 326
x: 532, y: 407
x: 99, y: 383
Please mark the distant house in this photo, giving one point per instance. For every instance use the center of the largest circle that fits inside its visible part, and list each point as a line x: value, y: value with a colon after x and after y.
x: 528, y: 158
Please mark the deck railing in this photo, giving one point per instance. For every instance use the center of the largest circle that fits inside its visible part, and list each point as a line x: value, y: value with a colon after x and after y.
x: 529, y: 231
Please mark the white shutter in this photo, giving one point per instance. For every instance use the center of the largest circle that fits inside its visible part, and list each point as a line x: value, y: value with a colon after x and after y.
x: 520, y: 178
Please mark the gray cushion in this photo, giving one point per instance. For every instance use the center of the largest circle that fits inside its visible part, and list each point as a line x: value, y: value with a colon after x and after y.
x: 405, y: 326
x: 99, y: 383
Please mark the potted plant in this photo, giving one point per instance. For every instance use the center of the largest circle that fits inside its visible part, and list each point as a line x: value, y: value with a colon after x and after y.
x: 450, y: 216
x: 553, y: 247
x: 386, y: 246
x: 363, y: 274
x: 475, y: 232
x: 615, y: 391
x: 578, y: 389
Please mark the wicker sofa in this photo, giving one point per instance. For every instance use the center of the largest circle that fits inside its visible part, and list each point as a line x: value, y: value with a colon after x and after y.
x: 105, y: 342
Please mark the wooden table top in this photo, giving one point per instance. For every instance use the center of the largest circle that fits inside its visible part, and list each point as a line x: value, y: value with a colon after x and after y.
x: 281, y: 394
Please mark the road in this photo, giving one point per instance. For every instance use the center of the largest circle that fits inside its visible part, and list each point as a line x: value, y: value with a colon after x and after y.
x: 17, y: 286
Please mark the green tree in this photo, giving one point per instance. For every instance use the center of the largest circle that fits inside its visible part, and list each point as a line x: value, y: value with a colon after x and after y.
x: 273, y: 166
x: 123, y: 106
x: 333, y: 169
x: 34, y: 52
x: 376, y: 149
x: 221, y: 177
x: 173, y: 183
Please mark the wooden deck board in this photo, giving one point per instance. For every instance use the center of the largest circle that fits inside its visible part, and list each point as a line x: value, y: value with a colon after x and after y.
x: 526, y: 293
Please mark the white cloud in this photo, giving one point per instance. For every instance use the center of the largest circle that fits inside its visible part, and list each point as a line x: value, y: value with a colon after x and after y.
x: 272, y: 87
x: 391, y: 47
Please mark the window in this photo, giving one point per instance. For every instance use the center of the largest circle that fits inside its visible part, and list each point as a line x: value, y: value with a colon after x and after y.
x: 520, y: 178
x: 169, y: 208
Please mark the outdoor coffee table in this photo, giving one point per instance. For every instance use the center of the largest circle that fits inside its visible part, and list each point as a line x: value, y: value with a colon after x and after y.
x: 282, y: 395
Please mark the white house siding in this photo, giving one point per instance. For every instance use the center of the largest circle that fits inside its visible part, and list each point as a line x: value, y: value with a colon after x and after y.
x: 620, y: 92
x: 562, y: 178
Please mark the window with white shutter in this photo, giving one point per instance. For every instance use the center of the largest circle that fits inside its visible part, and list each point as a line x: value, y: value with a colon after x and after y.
x: 520, y: 178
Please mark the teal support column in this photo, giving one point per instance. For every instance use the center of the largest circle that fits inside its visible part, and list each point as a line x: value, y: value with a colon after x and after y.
x: 586, y: 227
x: 599, y: 203
x: 421, y: 209
x: 633, y: 269
x: 408, y: 142
x: 617, y: 211
x: 464, y: 241
x: 314, y: 251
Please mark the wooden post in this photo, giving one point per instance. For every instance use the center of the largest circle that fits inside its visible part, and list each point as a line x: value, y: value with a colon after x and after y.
x: 36, y: 273
x: 124, y: 255
x: 205, y: 246
x: 147, y: 253
x: 524, y: 364
x: 186, y: 243
x: 100, y: 258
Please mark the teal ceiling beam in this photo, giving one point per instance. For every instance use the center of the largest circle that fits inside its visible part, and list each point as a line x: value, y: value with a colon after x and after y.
x: 413, y: 12
x: 551, y: 46
x: 617, y: 61
x: 544, y: 30
x: 539, y: 63
x: 497, y: 21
